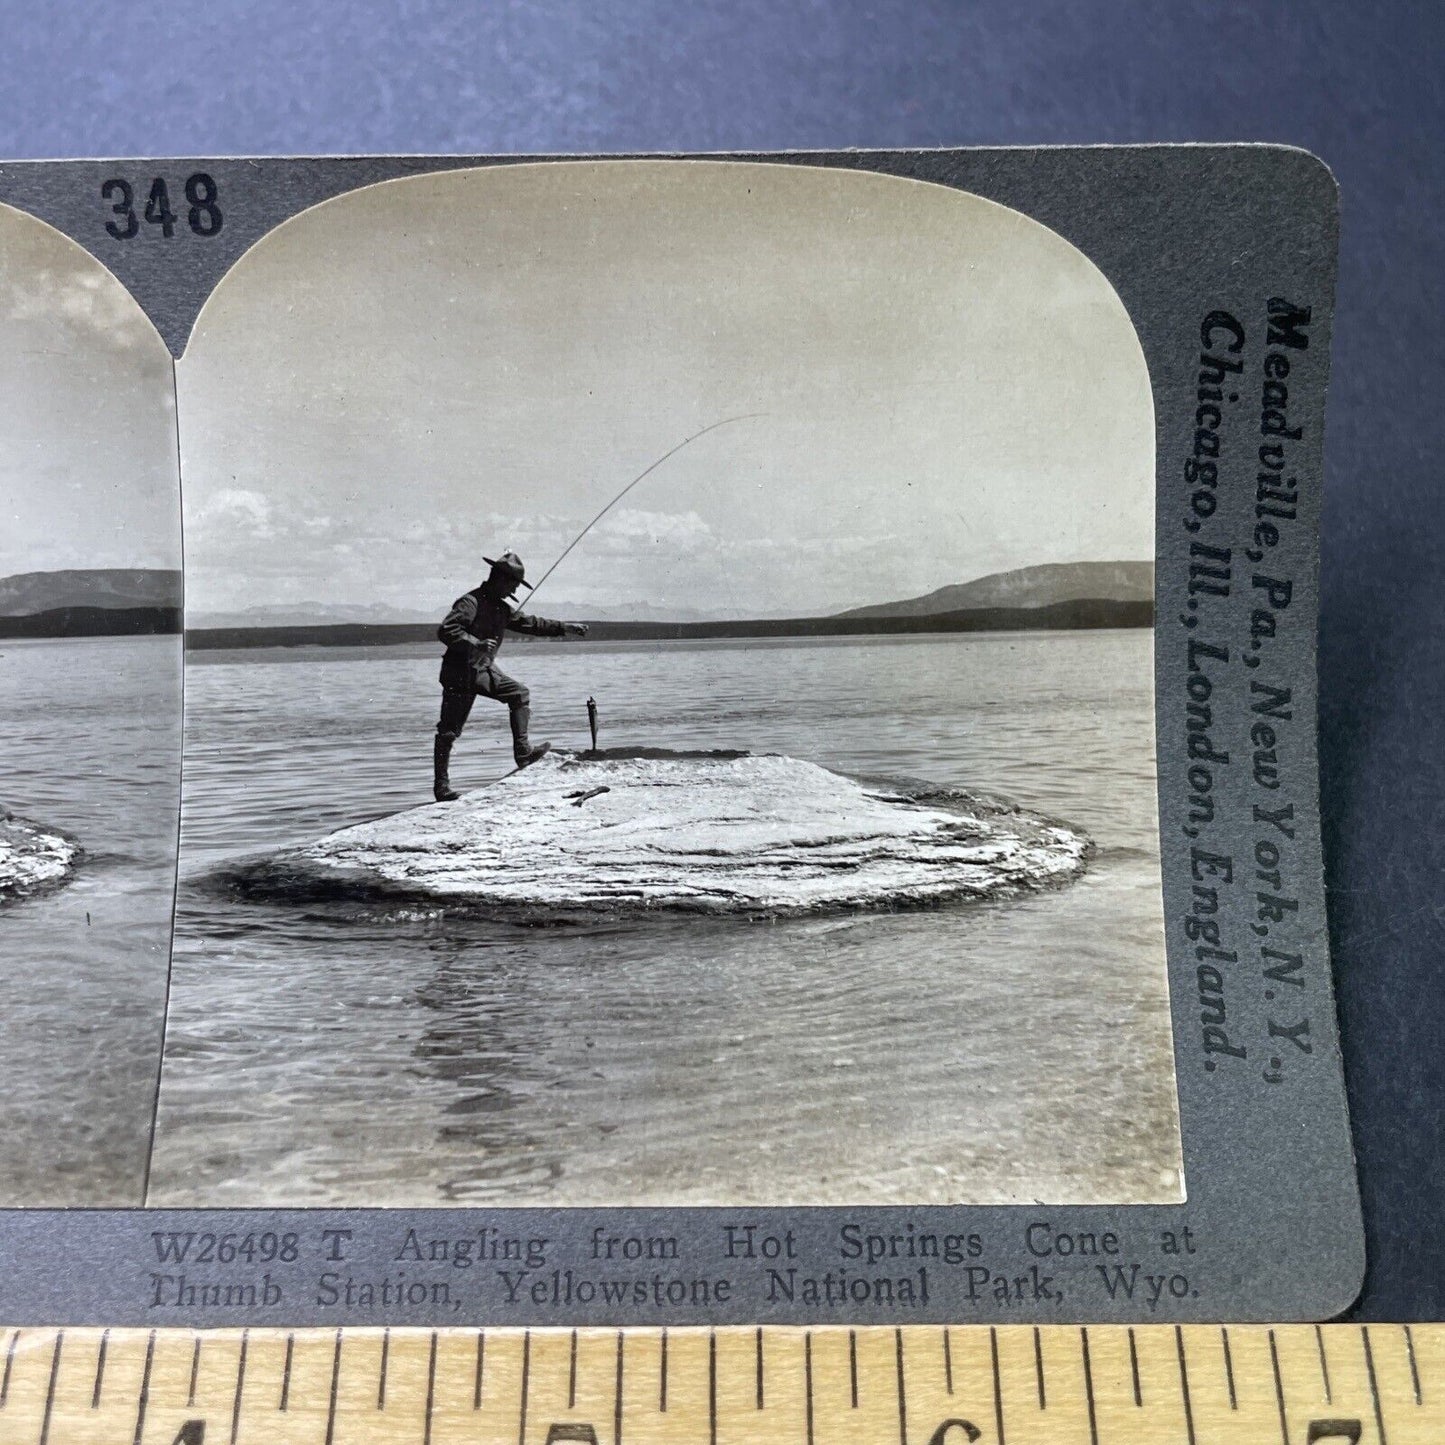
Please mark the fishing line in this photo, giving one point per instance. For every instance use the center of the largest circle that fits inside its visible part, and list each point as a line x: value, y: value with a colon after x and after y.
x: 686, y: 441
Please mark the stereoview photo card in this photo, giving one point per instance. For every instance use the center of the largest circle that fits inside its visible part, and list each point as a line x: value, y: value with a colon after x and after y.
x: 747, y: 720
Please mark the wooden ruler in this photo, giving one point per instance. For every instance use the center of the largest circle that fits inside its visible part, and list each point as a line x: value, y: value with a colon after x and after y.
x: 919, y: 1385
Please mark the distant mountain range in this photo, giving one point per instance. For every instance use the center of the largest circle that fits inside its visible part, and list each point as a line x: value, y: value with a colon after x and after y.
x: 29, y: 593
x: 134, y: 600
x: 637, y: 612
x: 314, y: 614
x: 311, y: 614
x: 91, y: 602
x: 1051, y: 585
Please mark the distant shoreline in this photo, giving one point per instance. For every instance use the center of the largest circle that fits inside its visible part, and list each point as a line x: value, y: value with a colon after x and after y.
x: 1086, y: 614
x: 93, y: 622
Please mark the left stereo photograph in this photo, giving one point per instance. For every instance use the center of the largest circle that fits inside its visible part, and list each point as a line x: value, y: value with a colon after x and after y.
x: 90, y: 720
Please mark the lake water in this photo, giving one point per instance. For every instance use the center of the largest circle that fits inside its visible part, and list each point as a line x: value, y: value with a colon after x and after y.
x: 90, y: 741
x: 999, y: 1052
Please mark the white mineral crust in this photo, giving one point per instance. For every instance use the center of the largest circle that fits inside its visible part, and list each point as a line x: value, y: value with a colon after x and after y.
x: 32, y: 858
x: 729, y: 834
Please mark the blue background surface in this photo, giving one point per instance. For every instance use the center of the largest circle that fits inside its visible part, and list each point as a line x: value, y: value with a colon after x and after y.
x: 1362, y: 86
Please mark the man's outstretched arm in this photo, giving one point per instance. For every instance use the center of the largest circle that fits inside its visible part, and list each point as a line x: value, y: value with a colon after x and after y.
x: 545, y: 626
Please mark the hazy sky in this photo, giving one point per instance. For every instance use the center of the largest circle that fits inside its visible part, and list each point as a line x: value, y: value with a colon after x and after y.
x: 87, y: 412
x: 416, y: 374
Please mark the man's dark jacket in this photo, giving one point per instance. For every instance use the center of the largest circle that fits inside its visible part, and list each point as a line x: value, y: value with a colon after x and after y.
x: 473, y: 630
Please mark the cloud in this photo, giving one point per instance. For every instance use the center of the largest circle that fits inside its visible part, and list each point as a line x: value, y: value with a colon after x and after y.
x: 81, y: 296
x: 231, y: 511
x: 685, y: 530
x: 244, y: 538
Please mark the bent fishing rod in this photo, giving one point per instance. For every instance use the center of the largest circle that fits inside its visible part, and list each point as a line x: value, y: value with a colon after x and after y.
x: 642, y: 475
x: 686, y: 441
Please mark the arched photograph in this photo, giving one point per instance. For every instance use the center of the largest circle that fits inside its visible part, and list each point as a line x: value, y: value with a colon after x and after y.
x: 90, y: 715
x: 669, y: 714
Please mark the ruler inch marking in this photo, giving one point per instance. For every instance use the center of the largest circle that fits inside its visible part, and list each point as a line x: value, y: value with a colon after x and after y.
x: 526, y: 1371
x: 1184, y: 1386
x: 902, y: 1394
x: 1134, y: 1370
x: 381, y: 1374
x: 1229, y: 1366
x: 286, y: 1373
x: 1374, y: 1384
x: 947, y: 1361
x: 335, y: 1381
x: 9, y: 1365
x: 240, y: 1385
x: 1278, y: 1389
x: 853, y: 1369
x: 99, y: 1369
x: 1414, y: 1368
x: 661, y: 1377
x: 195, y: 1373
x: 617, y: 1398
x: 145, y: 1388
x: 477, y: 1380
x: 50, y: 1388
x: 711, y: 1386
x: 1039, y: 1366
x: 431, y: 1388
x: 808, y: 1382
x: 997, y: 1387
x: 572, y: 1374
x: 1089, y: 1387
x: 759, y: 1338
x: 1324, y: 1366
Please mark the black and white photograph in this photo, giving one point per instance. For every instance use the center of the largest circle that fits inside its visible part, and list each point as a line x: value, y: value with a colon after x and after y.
x: 90, y: 725
x: 669, y: 709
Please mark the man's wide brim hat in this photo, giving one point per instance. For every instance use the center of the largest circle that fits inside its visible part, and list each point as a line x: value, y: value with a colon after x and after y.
x: 511, y: 565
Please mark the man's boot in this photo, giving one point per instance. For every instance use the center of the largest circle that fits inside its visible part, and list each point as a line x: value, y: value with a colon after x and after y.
x: 441, y: 758
x: 523, y: 751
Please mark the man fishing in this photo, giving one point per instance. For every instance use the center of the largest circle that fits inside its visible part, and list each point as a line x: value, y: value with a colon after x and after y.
x: 472, y: 633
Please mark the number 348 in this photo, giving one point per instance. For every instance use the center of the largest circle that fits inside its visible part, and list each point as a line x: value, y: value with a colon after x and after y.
x: 203, y: 210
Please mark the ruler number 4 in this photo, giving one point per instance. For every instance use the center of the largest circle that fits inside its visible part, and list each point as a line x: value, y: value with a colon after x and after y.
x: 193, y: 1432
x: 203, y: 211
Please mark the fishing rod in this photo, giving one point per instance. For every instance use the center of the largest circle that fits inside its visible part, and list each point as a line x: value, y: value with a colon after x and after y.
x: 686, y: 441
